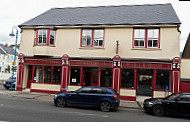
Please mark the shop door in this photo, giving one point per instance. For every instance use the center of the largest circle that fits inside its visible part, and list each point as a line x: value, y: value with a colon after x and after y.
x: 144, y: 85
x: 29, y: 78
x: 94, y: 79
x: 91, y: 78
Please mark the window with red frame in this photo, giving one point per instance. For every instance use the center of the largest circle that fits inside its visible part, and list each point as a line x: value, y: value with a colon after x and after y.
x: 146, y: 38
x: 92, y: 38
x: 45, y: 37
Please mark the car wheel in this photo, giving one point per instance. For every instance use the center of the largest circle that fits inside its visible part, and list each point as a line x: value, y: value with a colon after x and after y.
x: 105, y: 106
x: 61, y: 102
x: 6, y: 87
x: 158, y: 110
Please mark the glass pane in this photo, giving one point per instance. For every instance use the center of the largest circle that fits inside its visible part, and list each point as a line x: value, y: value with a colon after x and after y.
x: 155, y: 43
x: 127, y: 78
x: 98, y: 34
x: 153, y: 33
x: 86, y: 37
x: 96, y: 42
x: 47, y: 75
x: 52, y: 35
x: 30, y: 74
x: 156, y: 33
x: 56, y: 78
x: 149, y: 43
x: 100, y: 42
x: 141, y: 43
x: 163, y: 79
x: 139, y: 33
x: 75, y: 76
x: 39, y: 74
x: 136, y: 43
x: 95, y: 77
x: 106, y: 77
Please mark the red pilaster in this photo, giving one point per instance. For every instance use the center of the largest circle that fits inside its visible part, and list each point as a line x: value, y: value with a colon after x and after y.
x: 81, y: 75
x: 135, y: 78
x: 176, y: 74
x: 116, y: 73
x: 64, y: 72
x: 20, y: 72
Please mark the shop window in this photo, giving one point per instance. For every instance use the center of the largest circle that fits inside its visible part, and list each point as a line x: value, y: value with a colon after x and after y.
x: 127, y: 78
x: 47, y: 75
x: 92, y: 38
x: 146, y: 38
x: 163, y: 80
x: 106, y: 77
x: 75, y: 76
x: 56, y: 77
x: 44, y: 37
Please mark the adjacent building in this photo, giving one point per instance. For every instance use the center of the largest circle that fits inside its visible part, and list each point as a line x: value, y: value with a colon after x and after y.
x: 133, y: 49
x: 185, y: 68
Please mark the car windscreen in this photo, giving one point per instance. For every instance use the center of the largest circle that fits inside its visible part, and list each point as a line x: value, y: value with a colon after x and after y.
x: 173, y: 96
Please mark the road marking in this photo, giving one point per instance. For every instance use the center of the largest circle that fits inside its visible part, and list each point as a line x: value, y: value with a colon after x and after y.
x: 2, y: 105
x: 105, y: 116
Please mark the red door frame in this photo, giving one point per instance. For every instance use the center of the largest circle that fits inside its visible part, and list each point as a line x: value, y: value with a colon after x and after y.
x: 29, y: 81
x: 152, y: 80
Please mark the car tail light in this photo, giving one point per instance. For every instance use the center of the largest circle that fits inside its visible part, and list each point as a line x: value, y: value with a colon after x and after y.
x: 115, y: 96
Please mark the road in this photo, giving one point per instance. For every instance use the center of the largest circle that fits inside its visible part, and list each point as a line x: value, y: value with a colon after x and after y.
x: 15, y: 109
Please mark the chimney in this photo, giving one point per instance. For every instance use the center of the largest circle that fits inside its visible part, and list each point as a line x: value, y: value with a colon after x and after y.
x: 6, y: 45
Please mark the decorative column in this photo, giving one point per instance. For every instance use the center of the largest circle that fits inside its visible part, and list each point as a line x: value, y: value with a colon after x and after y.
x: 20, y: 72
x: 64, y: 72
x: 116, y: 73
x: 175, y: 75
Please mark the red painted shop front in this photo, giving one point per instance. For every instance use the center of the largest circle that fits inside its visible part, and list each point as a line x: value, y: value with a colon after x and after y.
x: 116, y: 73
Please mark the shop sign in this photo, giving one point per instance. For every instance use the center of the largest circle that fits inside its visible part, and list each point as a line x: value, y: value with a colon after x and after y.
x: 43, y: 62
x: 146, y: 65
x: 91, y: 63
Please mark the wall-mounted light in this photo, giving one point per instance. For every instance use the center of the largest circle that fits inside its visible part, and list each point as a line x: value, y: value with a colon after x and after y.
x: 118, y: 64
x: 114, y: 64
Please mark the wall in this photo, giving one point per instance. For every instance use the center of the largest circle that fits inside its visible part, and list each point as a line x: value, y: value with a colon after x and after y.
x: 185, y: 68
x: 67, y: 38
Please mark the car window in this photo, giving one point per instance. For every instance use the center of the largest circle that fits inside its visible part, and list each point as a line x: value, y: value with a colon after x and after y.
x: 98, y: 91
x: 185, y: 98
x: 84, y: 90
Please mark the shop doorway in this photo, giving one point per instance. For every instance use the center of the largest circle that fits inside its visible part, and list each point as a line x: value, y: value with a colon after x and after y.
x: 144, y: 82
x: 29, y: 77
x: 90, y: 77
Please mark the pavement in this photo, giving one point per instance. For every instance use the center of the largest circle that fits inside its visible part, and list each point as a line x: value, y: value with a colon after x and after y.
x: 49, y: 98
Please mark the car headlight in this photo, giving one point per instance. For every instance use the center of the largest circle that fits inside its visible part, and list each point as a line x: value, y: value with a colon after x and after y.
x: 55, y: 96
x: 4, y: 82
x: 150, y: 103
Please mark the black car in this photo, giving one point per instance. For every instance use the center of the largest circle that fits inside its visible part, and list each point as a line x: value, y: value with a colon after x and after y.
x: 177, y: 103
x: 7, y: 83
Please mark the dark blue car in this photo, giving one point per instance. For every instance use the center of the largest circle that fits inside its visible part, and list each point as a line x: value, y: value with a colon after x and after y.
x: 91, y: 96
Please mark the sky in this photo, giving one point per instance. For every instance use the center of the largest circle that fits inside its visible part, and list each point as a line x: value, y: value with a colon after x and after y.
x: 16, y: 12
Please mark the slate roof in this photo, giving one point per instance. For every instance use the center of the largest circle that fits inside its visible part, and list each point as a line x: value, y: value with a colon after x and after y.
x: 8, y: 50
x: 107, y: 15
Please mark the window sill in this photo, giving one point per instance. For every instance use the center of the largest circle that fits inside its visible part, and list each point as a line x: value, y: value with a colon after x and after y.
x: 147, y: 49
x: 44, y: 45
x: 91, y: 48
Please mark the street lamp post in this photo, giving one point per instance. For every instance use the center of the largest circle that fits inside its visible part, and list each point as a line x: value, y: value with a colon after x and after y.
x: 12, y: 35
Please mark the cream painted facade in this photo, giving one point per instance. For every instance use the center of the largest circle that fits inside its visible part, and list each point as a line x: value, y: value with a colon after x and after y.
x: 49, y: 87
x: 185, y: 68
x: 71, y: 37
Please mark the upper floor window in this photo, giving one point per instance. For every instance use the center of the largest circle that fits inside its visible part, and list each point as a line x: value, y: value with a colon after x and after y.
x: 146, y: 38
x: 92, y: 38
x: 45, y: 37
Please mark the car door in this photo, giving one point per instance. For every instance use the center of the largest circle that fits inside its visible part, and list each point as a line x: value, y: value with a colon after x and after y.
x: 73, y: 98
x: 184, y: 104
x: 96, y: 95
x: 83, y: 96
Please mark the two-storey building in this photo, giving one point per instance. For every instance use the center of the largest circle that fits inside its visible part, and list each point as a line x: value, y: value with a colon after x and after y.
x: 131, y: 48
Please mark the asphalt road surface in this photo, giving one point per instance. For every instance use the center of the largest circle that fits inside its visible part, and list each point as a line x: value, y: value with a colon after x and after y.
x: 15, y: 109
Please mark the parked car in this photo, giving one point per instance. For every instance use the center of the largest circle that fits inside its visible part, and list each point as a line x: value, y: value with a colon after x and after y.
x: 92, y: 96
x: 7, y: 83
x: 177, y: 103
